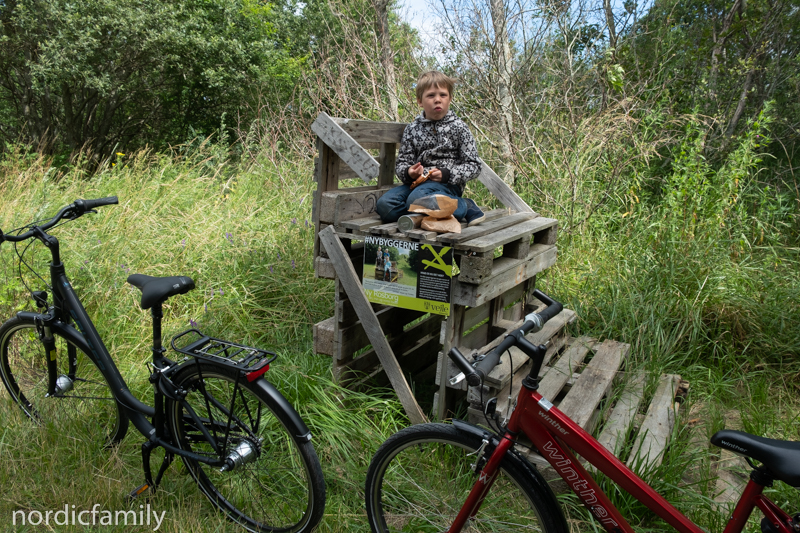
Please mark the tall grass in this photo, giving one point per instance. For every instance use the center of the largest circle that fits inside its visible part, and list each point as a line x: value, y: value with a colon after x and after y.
x: 245, y: 236
x: 714, y: 300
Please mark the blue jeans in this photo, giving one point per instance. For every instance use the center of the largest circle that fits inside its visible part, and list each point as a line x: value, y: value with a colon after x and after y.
x: 395, y: 203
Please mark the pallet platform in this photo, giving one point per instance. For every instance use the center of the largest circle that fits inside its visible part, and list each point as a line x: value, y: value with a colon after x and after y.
x: 584, y: 379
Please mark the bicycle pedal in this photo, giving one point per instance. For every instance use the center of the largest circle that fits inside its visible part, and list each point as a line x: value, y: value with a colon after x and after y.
x: 138, y: 491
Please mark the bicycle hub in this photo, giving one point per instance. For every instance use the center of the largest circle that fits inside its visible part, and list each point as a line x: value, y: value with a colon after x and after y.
x: 63, y: 384
x: 245, y: 452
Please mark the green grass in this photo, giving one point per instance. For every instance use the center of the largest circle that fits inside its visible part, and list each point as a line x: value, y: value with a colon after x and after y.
x: 721, y: 313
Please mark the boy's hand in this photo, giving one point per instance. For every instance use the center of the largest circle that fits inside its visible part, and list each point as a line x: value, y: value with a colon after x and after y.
x: 434, y: 174
x: 415, y: 171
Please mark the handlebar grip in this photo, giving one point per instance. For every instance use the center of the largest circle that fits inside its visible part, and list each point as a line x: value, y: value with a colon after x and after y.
x: 88, y: 205
x: 483, y: 368
x: 553, y: 307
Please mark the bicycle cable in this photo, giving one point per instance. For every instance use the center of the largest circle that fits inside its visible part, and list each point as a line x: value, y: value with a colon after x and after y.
x: 21, y: 255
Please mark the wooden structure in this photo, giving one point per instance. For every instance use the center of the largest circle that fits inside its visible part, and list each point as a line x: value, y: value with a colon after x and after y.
x: 498, y: 262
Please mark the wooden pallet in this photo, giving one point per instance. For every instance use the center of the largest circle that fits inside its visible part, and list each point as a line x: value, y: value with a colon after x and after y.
x: 583, y: 378
x: 492, y: 257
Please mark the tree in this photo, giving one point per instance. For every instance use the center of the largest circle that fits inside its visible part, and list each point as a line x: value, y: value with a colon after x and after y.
x: 100, y: 74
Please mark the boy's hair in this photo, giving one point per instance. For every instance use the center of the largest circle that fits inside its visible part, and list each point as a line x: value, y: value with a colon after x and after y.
x: 434, y: 78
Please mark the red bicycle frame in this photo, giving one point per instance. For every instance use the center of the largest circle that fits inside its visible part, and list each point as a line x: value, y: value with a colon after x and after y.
x: 554, y: 434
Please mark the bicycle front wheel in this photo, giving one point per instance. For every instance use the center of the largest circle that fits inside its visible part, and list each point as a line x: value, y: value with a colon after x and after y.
x: 278, y: 485
x: 83, y: 407
x: 421, y: 476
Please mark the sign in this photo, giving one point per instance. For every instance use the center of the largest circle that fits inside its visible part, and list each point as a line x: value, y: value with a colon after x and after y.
x: 408, y: 274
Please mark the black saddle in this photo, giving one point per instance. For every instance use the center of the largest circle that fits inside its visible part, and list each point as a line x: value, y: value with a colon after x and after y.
x: 781, y: 457
x: 157, y: 290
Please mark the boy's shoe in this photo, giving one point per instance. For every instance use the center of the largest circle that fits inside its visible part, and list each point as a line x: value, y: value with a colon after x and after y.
x: 474, y: 214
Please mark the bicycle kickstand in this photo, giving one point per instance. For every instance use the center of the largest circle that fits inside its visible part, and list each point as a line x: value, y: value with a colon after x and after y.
x: 147, y: 449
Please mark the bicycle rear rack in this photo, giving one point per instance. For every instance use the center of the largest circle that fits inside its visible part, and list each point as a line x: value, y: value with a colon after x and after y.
x: 252, y: 362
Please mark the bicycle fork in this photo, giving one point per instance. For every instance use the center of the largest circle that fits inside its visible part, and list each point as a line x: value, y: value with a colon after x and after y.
x: 486, y: 478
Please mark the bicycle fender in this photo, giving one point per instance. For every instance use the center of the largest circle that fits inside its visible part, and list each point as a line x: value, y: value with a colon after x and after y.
x: 466, y: 427
x: 280, y: 404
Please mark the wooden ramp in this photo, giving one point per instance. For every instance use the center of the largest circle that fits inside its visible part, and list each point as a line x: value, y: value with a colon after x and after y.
x: 584, y: 379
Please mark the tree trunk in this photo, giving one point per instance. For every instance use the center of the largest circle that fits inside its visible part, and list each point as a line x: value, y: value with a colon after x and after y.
x: 748, y: 84
x: 612, y: 27
x: 502, y: 58
x: 387, y: 56
x: 719, y: 44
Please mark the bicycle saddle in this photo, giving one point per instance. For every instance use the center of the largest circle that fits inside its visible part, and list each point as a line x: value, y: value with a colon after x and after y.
x: 156, y: 290
x: 781, y: 457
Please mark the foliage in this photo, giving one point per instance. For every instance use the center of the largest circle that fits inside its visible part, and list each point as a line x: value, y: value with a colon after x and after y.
x: 103, y: 75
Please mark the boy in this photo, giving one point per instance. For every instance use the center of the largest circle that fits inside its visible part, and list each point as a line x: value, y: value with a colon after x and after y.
x: 437, y: 155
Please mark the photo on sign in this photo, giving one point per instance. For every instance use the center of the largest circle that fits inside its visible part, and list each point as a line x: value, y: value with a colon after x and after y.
x: 408, y: 274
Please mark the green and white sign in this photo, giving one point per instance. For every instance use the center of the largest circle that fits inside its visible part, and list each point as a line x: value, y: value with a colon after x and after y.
x: 408, y: 274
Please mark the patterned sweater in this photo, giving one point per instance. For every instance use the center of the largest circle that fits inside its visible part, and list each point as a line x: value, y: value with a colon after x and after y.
x: 445, y: 144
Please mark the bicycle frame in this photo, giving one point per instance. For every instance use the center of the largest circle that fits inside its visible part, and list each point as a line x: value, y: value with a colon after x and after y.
x: 554, y: 434
x: 67, y: 307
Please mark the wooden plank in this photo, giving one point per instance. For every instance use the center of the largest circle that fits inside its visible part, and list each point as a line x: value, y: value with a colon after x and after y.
x: 384, y: 229
x: 400, y: 344
x: 371, y: 131
x: 337, y: 207
x: 594, y: 382
x: 362, y: 224
x: 557, y: 376
x: 506, y: 274
x: 501, y: 190
x: 616, y: 430
x: 346, y: 147
x: 518, y: 249
x: 353, y: 338
x: 476, y: 267
x: 327, y: 208
x: 388, y: 158
x: 323, y: 268
x: 452, y: 332
x: 323, y: 336
x: 421, y: 235
x: 349, y: 279
x: 650, y: 443
x: 487, y: 226
x: 498, y: 238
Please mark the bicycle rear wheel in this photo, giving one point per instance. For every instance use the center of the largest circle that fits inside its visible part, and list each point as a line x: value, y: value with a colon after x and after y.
x: 421, y: 476
x: 86, y: 409
x: 279, y: 487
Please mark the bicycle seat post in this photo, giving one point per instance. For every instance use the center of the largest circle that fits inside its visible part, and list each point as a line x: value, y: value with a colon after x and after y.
x: 159, y: 361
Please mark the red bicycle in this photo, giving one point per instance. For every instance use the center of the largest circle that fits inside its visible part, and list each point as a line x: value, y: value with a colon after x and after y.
x: 459, y: 477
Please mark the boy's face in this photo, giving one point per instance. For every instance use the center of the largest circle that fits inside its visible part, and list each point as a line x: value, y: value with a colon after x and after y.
x: 435, y: 102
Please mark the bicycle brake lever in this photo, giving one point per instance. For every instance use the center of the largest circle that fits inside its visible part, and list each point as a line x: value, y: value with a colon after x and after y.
x: 458, y: 378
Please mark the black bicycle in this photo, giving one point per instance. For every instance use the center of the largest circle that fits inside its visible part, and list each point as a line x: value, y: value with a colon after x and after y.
x: 243, y: 443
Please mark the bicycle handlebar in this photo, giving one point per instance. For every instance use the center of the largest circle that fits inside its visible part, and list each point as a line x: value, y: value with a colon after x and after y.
x: 72, y: 211
x: 533, y: 322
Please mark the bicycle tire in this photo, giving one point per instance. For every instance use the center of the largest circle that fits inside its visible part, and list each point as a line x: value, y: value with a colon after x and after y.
x: 283, y: 489
x: 421, y: 476
x: 88, y: 411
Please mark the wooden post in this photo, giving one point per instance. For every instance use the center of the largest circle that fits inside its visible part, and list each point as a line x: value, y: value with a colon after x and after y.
x: 453, y: 331
x: 349, y: 279
x: 388, y: 160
